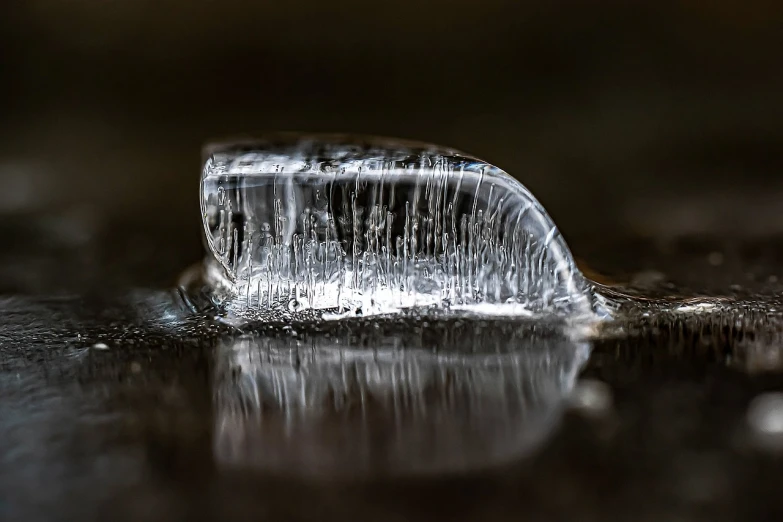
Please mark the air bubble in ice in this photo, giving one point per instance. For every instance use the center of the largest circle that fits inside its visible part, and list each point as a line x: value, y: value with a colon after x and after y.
x: 340, y: 224
x: 295, y: 305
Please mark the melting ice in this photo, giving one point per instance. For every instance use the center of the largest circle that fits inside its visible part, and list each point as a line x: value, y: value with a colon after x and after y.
x: 359, y: 226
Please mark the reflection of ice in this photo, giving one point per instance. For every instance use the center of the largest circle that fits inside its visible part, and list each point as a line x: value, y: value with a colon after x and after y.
x: 320, y: 403
x: 368, y: 226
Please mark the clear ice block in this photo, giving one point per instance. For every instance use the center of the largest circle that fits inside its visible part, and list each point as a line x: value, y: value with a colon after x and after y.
x: 348, y: 225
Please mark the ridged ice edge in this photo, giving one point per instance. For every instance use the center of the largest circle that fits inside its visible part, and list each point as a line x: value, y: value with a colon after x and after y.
x: 223, y: 289
x: 211, y: 285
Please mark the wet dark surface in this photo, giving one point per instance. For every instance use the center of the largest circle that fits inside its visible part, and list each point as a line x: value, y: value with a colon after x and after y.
x: 651, y: 134
x: 124, y: 408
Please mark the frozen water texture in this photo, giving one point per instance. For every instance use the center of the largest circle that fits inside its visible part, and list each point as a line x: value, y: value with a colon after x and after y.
x: 360, y: 226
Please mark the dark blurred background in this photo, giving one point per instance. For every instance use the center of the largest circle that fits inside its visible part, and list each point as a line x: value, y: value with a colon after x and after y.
x: 644, y: 119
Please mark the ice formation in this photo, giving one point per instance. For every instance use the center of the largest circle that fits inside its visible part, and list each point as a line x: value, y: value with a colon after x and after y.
x: 363, y: 226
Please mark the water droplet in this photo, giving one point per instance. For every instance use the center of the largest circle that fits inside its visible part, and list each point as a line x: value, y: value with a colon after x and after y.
x: 378, y: 226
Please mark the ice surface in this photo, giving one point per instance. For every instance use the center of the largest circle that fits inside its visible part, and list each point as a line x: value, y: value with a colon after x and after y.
x: 361, y: 226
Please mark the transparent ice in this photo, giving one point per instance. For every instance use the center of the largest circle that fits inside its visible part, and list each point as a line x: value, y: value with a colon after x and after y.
x: 362, y: 226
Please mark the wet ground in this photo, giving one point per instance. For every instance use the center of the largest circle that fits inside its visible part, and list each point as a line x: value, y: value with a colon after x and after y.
x: 119, y: 403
